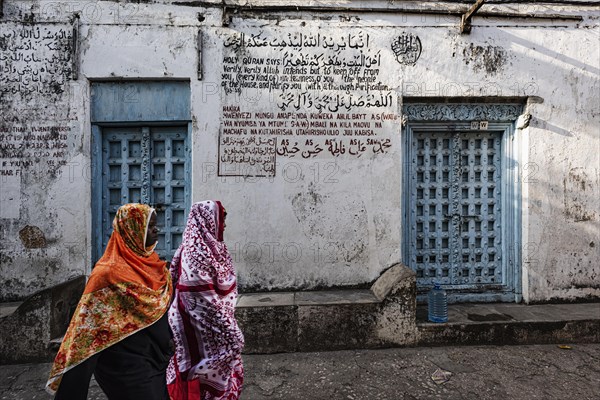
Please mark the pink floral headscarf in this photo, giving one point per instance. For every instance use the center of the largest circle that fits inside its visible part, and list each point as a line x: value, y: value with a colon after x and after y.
x: 207, y: 338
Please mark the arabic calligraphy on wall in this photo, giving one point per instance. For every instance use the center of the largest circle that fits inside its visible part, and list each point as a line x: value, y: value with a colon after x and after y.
x: 317, y: 95
x: 298, y: 40
x: 247, y: 156
x: 299, y: 61
x: 311, y: 148
x: 250, y: 142
x: 407, y: 48
x: 334, y: 102
x: 34, y: 59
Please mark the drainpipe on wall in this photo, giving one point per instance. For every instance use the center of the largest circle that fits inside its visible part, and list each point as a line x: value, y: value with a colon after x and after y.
x: 465, y: 20
x: 75, y: 47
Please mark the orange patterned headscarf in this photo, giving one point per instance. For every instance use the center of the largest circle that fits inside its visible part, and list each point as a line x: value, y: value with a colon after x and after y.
x: 131, y: 222
x: 128, y: 290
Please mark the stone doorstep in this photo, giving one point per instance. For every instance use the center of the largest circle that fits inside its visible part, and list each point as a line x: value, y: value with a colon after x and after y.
x: 481, y: 313
x: 510, y: 324
x: 350, y: 319
x: 331, y: 319
x: 380, y: 290
x: 307, y: 321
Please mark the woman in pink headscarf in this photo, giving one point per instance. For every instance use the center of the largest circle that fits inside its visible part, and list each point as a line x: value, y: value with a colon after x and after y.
x: 208, y: 342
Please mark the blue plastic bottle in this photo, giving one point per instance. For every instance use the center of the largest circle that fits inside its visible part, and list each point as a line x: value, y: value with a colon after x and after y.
x: 438, y: 304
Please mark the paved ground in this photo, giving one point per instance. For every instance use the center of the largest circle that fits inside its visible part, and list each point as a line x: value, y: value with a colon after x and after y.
x: 480, y: 373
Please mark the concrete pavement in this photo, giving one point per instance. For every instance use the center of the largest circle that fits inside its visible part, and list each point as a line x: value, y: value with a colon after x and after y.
x: 477, y: 372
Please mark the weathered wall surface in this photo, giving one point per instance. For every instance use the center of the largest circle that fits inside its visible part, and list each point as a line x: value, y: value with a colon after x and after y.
x: 41, y: 144
x: 45, y: 151
x: 555, y: 63
x: 297, y: 129
x: 307, y: 117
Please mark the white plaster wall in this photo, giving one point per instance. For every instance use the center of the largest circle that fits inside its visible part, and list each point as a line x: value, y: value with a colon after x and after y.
x: 319, y: 222
x: 116, y: 41
x: 559, y: 161
x: 55, y: 203
x: 45, y: 205
x: 559, y: 166
x: 310, y: 231
x: 149, y: 51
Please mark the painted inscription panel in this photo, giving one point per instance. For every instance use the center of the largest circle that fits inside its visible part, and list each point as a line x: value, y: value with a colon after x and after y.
x: 291, y: 94
x: 34, y: 59
x: 35, y: 93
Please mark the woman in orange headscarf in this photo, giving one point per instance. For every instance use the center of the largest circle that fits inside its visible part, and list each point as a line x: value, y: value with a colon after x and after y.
x: 119, y: 332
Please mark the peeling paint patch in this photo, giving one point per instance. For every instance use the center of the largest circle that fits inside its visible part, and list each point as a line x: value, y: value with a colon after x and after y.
x: 489, y: 58
x: 10, y: 196
x: 580, y: 195
x: 321, y: 218
x: 32, y: 237
x: 382, y: 228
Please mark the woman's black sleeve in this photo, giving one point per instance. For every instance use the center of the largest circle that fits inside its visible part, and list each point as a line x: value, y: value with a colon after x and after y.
x: 76, y: 382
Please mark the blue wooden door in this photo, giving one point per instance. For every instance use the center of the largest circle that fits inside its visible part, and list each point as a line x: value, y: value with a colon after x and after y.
x: 170, y: 189
x: 148, y: 165
x: 455, y: 184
